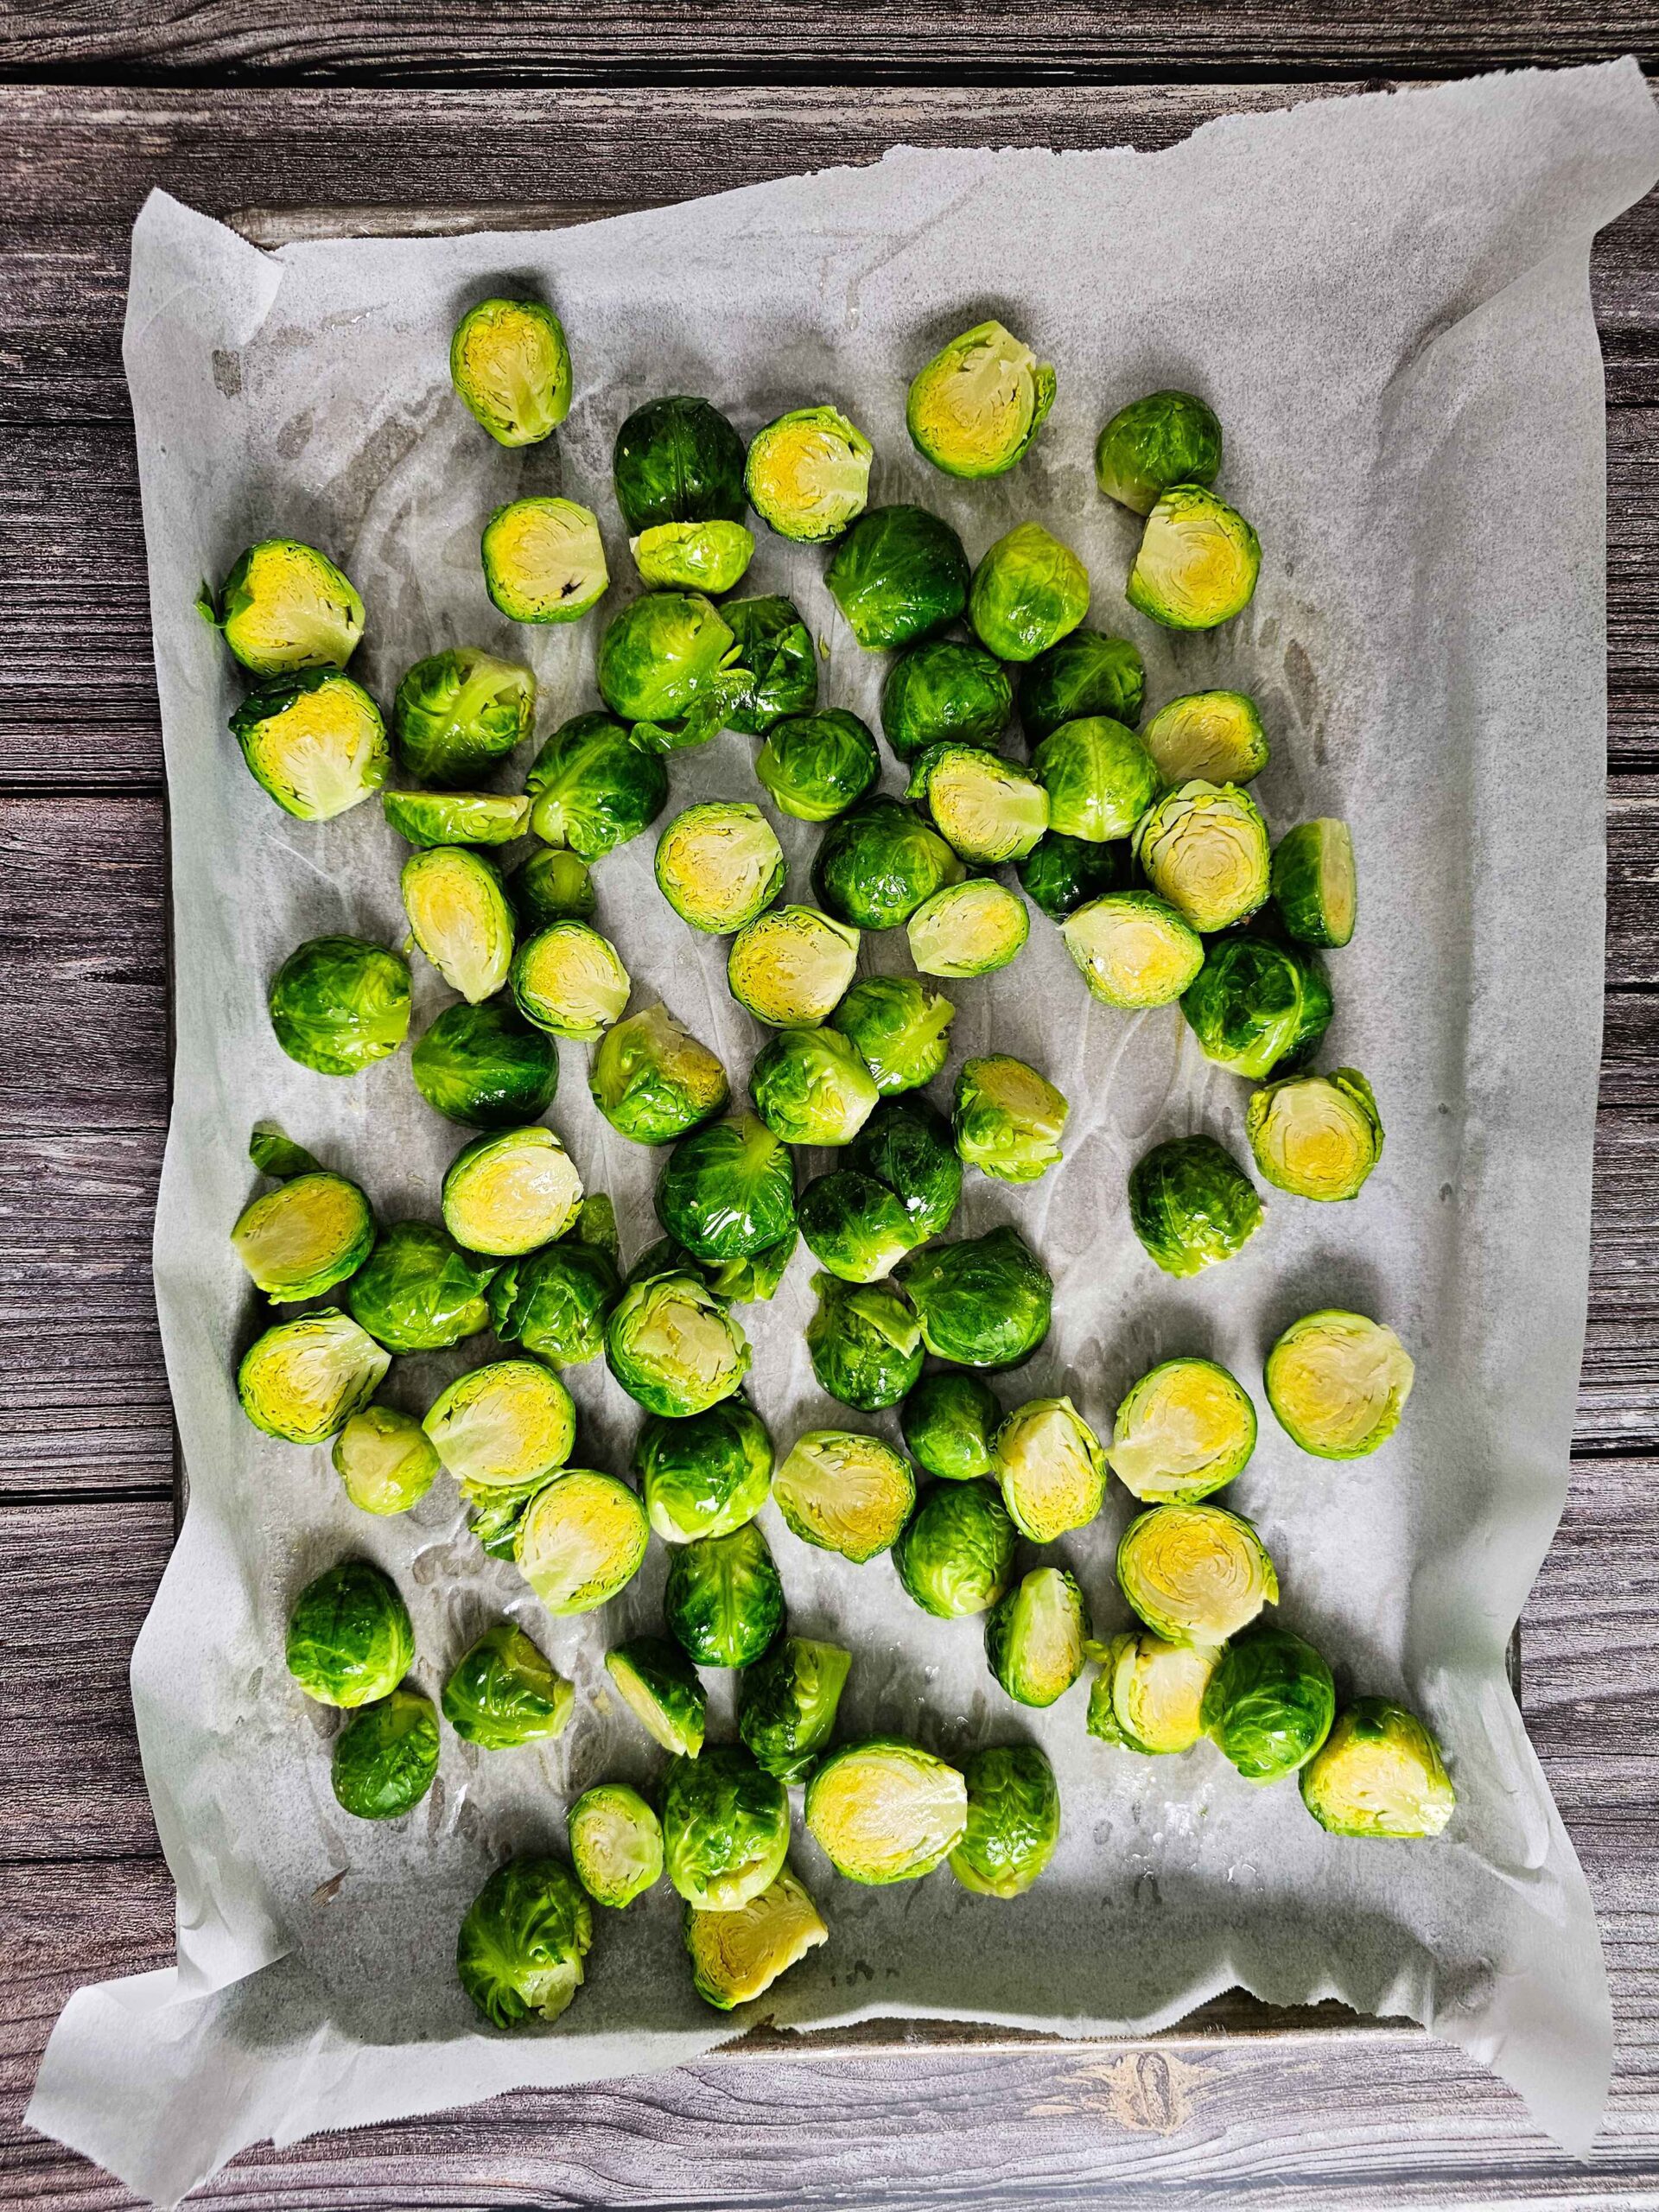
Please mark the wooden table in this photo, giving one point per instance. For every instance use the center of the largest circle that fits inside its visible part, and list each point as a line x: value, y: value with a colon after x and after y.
x: 244, y: 106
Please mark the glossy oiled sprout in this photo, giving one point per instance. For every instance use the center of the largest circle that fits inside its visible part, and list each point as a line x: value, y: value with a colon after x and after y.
x: 503, y: 1693
x: 384, y: 1460
x: 723, y: 1599
x: 506, y: 1193
x: 544, y: 560
x: 616, y: 1844
x: 520, y: 1951
x: 570, y: 981
x: 885, y: 1810
x: 1185, y: 1429
x: 786, y: 1703
x: 1051, y: 1468
x: 1197, y: 561
x: 865, y: 1343
x: 816, y: 766
x: 459, y: 712
x: 1317, y: 1136
x: 426, y: 818
x: 337, y: 1005
x: 950, y: 1420
x: 736, y: 1956
x: 693, y: 555
x: 898, y: 575
x: 704, y: 1476
x: 1337, y: 1383
x: 983, y: 1301
x: 508, y: 1423
x: 1099, y: 776
x: 725, y: 1829
x: 987, y: 809
x: 581, y: 1541
x: 901, y: 1028
x: 845, y: 1492
x: 808, y: 474
x: 955, y: 1554
x: 1378, y: 1773
x: 459, y: 916
x: 314, y: 742
x: 552, y: 885
x: 1216, y: 735
x: 728, y: 1190
x: 594, y: 788
x: 385, y: 1758
x: 1034, y: 1636
x: 1133, y: 950
x: 350, y: 1639
x: 718, y: 865
x: 669, y: 665
x: 1167, y: 438
x: 417, y: 1291
x: 1060, y: 873
x: 968, y: 929
x: 1013, y: 1821
x: 776, y: 648
x: 1195, y: 1574
x: 1269, y: 1703
x: 853, y: 1224
x: 1204, y: 847
x: 510, y: 364
x: 1191, y: 1204
x: 677, y: 459
x: 304, y: 1379
x: 673, y: 1346
x: 1148, y: 1696
x: 486, y: 1065
x: 659, y: 1686
x: 791, y: 967
x: 1256, y: 1004
x: 879, y: 861
x: 812, y: 1086
x: 906, y: 1144
x: 944, y: 692
x: 284, y: 606
x: 979, y: 403
x: 652, y: 1080
x: 1087, y: 674
x: 1314, y: 886
x: 1009, y: 1119
x: 556, y: 1301
x: 1028, y: 592
x: 305, y: 1237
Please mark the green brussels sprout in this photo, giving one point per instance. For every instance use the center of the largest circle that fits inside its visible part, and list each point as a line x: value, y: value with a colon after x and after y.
x: 727, y: 1189
x: 306, y: 1236
x: 486, y: 1065
x: 907, y: 1145
x: 426, y: 818
x: 899, y: 574
x: 1197, y: 561
x: 384, y: 1460
x: 705, y: 1476
x: 1035, y: 1635
x: 776, y: 648
x: 570, y: 981
x: 502, y: 1692
x: 673, y: 1347
x: 304, y: 1379
x: 1185, y: 1429
x: 511, y: 366
x: 885, y: 1810
x: 1085, y: 676
x: 520, y: 1951
x: 1215, y: 735
x: 459, y: 916
x: 1204, y: 847
x: 1317, y: 1136
x: 1148, y: 1696
x: 556, y: 1301
x: 1269, y: 1703
x: 1191, y: 1204
x: 1167, y: 438
x: 1060, y: 873
x: 1099, y: 776
x: 459, y: 712
x: 595, y: 1225
x: 668, y: 663
x: 979, y: 403
x: 552, y: 885
x: 708, y: 556
x: 1100, y: 1720
x: 1314, y: 886
x: 879, y: 862
x: 718, y: 865
x: 677, y: 459
x: 503, y: 1424
x: 1255, y: 1004
x: 652, y: 1080
x: 1133, y: 950
x: 581, y: 1541
x: 284, y: 606
x: 1008, y: 1120
x: 865, y: 1343
x: 987, y: 809
x: 338, y: 1005
x: 853, y: 1225
x: 386, y: 1757
x: 1378, y: 1773
x: 1337, y: 1383
x: 811, y: 1086
x: 786, y: 1704
x: 723, y: 1600
x: 350, y: 1639
x: 1050, y: 1469
x: 808, y: 474
x: 756, y: 1276
x: 507, y: 1192
x: 594, y: 788
x: 616, y: 1844
x: 943, y: 692
x: 495, y: 1509
x: 736, y: 1956
x: 901, y: 1028
x: 544, y: 560
x: 845, y: 1492
x: 725, y: 1829
x: 791, y: 967
x: 968, y: 929
x: 956, y: 1553
x: 659, y: 1686
x: 1013, y: 1821
x: 816, y: 766
x: 948, y: 1421
x: 417, y: 1291
x: 273, y: 1152
x: 1195, y: 1574
x: 1028, y: 592
x: 983, y: 1301
x: 314, y: 741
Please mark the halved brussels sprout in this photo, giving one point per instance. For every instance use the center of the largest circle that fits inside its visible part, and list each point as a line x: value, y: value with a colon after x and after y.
x: 692, y: 555
x: 520, y: 1951
x: 1216, y: 735
x: 594, y: 788
x: 1185, y: 1429
x: 1099, y: 778
x: 1009, y: 1119
x: 1167, y: 438
x: 570, y: 981
x: 1195, y: 1574
x: 338, y: 1005
x: 502, y: 1692
x: 1028, y: 592
x: 1133, y: 950
x: 948, y: 1421
x: 459, y: 712
x: 1317, y: 1136
x: 723, y: 1600
x: 652, y: 1080
x: 555, y: 1302
x: 854, y: 1224
x: 1087, y: 675
x: 899, y: 574
x: 507, y: 1423
x: 511, y: 366
x: 983, y: 1301
x: 1269, y: 1704
x: 944, y: 693
x: 728, y: 1190
x: 306, y: 1236
x: 1314, y: 886
x: 1378, y: 1773
x: 816, y: 766
x: 776, y: 648
x: 1051, y: 1468
x: 845, y: 1492
x: 1337, y: 1383
x: 417, y: 1291
x: 659, y: 1686
x: 350, y: 1639
x: 384, y: 1460
x: 704, y: 1476
x: 1035, y: 1635
x: 673, y: 1347
x: 1013, y: 1821
x: 1255, y: 1003
x: 885, y: 1810
x: 314, y: 742
x: 979, y: 403
x: 273, y: 1152
x: 968, y: 929
x: 736, y: 1956
x: 725, y: 1829
x: 955, y: 1554
x: 552, y: 885
x: 906, y: 1144
x: 1191, y: 1204
x: 543, y: 560
x: 1204, y: 847
x: 581, y: 1541
x: 865, y: 1343
x: 1060, y: 873
x: 879, y: 862
x: 668, y: 663
x: 984, y: 808
x: 677, y: 459
x: 459, y: 916
x: 1155, y: 1691
x: 786, y: 1704
x: 718, y: 865
x: 304, y: 1379
x: 791, y: 967
x: 386, y: 1757
x: 901, y: 1028
x: 616, y: 1843
x: 1197, y: 561
x: 425, y: 818
x: 812, y: 1086
x: 508, y: 1192
x: 808, y: 474
x: 486, y: 1065
x: 284, y: 606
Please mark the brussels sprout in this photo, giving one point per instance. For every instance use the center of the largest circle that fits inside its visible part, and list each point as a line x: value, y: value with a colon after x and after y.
x: 705, y: 1476
x: 1314, y: 886
x: 786, y: 1704
x: 273, y: 1152
x: 338, y: 1005
x: 845, y: 1492
x: 677, y: 459
x: 811, y: 1086
x: 1317, y: 1136
x: 1191, y: 1204
x: 1101, y: 1721
x: 1132, y: 949
x: 725, y: 1829
x: 486, y: 1065
x: 987, y: 809
x: 983, y: 1301
x: 692, y: 555
x: 652, y: 1080
x: 1204, y: 847
x: 595, y: 1225
x: 718, y: 865
x: 1197, y: 561
x: 505, y: 1424
x: 552, y: 884
x: 736, y: 1956
x: 306, y: 1236
x: 506, y: 1193
x: 944, y: 693
x: 1060, y: 873
x: 426, y: 818
x: 1087, y: 676
x: 1378, y: 1773
x: 979, y: 403
x: 570, y: 981
x: 521, y: 1946
x: 723, y: 1600
x: 668, y: 663
x: 555, y: 1302
x: 968, y: 929
x: 459, y: 916
x: 1185, y: 1429
x: 1255, y: 1004
x: 853, y: 1225
x: 1099, y: 776
x: 386, y: 1757
x: 1013, y: 1821
x: 594, y: 787
x: 284, y: 606
x: 304, y: 1379
x: 808, y: 474
x: 865, y: 1343
x: 948, y: 1421
x: 1148, y: 1696
x: 1195, y: 1574
x: 907, y: 1146
x: 417, y: 1291
x: 1009, y: 1119
x: 350, y: 1639
x: 581, y: 1541
x: 1028, y: 592
x: 511, y: 366
x: 791, y: 967
x: 956, y: 1553
x: 901, y: 1028
x: 543, y: 560
x: 659, y: 1686
x: 616, y: 1843
x: 1269, y: 1703
x: 728, y: 1190
x: 314, y: 741
x: 384, y: 1460
x: 879, y: 862
x: 815, y: 765
x: 899, y: 574
x: 673, y: 1347
x: 1034, y: 1636
x: 1167, y: 438
x: 776, y: 648
x: 1216, y: 735
x: 885, y: 1810
x: 1051, y: 1468
x: 502, y: 1692
x: 1337, y: 1383
x: 459, y: 712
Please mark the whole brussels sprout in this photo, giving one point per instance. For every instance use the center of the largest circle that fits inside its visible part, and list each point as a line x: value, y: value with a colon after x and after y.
x: 417, y: 1291
x: 511, y: 366
x: 459, y: 916
x: 1167, y: 438
x: 1269, y: 1703
x: 350, y: 1639
x: 1378, y: 1773
x: 1099, y: 778
x: 885, y: 1810
x: 786, y: 1704
x: 865, y: 1343
x: 727, y: 1189
x: 673, y: 1347
x: 1216, y: 735
x: 1191, y: 1204
x: 816, y: 766
x: 986, y: 810
x: 659, y: 1686
x: 944, y: 693
x: 507, y: 1192
x: 1148, y: 1696
x: 616, y: 1844
x: 718, y: 865
x: 570, y: 981
x: 384, y: 1460
x: 845, y: 1492
x: 948, y: 1421
x: 1060, y: 873
x: 304, y: 1379
x: 677, y: 459
x: 386, y: 1757
x: 652, y: 1080
x: 776, y: 648
x: 725, y: 1829
x: 704, y: 1476
x: 1013, y: 1821
x: 338, y: 1005
x: 1034, y: 1636
x: 284, y: 606
x: 907, y: 1145
x: 983, y: 1301
x: 955, y: 1554
x: 1255, y: 1004
x: 594, y: 788
x: 520, y: 1951
x: 1028, y: 592
x: 1314, y: 886
x: 1008, y: 1120
x: 736, y: 1956
x: 1133, y: 950
x: 879, y: 862
x: 1197, y: 561
x: 1204, y: 847
x: 505, y: 1424
x: 1051, y: 1468
x: 708, y: 556
x: 901, y: 1028
x: 979, y: 403
x: 502, y: 1692
x: 426, y: 818
x: 808, y: 474
x: 811, y: 1086
x: 314, y: 741
x: 854, y: 1224
x: 543, y: 560
x: 581, y: 1541
x: 486, y: 1065
x: 791, y: 967
x: 1085, y: 676
x: 1317, y: 1136
x: 968, y: 929
x: 668, y: 663
x: 1339, y: 1383
x: 723, y: 1600
x: 555, y: 1302
x: 1185, y: 1429
x: 306, y: 1236
x: 459, y: 712
x: 1195, y: 1574
x: 899, y: 574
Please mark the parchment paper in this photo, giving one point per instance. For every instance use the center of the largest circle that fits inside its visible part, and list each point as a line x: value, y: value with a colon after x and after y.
x: 1386, y: 299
